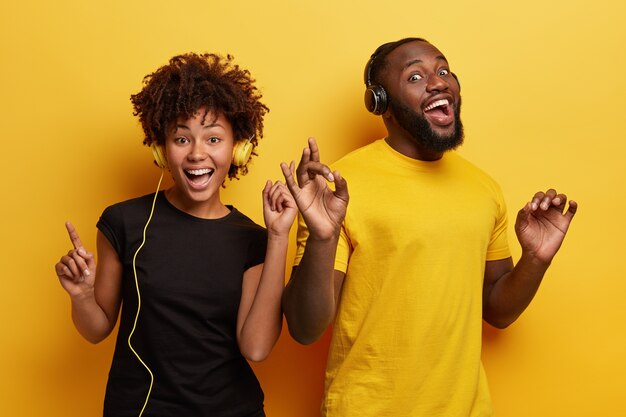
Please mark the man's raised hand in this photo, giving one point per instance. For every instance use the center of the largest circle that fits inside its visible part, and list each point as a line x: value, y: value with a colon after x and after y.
x: 322, y: 208
x: 542, y: 224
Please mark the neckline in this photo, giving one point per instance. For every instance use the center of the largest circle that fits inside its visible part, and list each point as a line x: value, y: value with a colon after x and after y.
x: 163, y: 199
x: 411, y: 163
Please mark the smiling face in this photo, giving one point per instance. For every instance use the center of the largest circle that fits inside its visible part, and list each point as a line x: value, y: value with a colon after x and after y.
x: 199, y: 153
x: 424, y: 99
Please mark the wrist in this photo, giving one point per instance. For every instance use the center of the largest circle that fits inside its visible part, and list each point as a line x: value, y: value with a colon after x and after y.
x: 323, y: 239
x: 325, y: 235
x: 533, y: 261
x: 276, y: 237
x: 83, y: 296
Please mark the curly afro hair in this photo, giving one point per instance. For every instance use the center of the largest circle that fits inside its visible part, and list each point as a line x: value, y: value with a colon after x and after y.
x: 191, y: 82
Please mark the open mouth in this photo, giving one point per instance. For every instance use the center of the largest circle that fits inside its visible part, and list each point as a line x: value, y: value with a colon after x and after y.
x: 440, y: 112
x: 199, y: 177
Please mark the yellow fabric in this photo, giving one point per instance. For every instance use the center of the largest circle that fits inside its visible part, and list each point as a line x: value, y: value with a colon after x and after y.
x: 407, y: 336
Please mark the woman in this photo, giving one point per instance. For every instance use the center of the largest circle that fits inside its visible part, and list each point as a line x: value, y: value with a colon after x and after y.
x: 201, y: 285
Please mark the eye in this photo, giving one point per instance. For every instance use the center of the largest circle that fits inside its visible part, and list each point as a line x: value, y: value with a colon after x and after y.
x: 214, y: 139
x: 444, y: 72
x: 415, y: 77
x: 181, y: 140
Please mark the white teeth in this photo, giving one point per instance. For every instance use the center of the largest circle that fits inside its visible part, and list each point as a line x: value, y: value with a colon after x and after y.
x: 437, y: 103
x: 198, y: 171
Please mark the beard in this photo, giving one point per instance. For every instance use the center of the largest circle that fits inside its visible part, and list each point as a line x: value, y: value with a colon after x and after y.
x: 419, y: 128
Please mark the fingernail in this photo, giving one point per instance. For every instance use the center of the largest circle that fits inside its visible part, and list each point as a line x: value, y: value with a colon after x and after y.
x: 331, y: 177
x: 87, y: 273
x: 82, y: 252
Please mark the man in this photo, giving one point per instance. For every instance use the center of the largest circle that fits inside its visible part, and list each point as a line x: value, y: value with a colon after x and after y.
x: 419, y: 257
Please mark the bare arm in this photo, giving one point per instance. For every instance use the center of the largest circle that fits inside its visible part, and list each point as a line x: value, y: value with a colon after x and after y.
x: 260, y: 317
x: 541, y: 227
x: 310, y: 301
x: 310, y: 298
x: 95, y: 301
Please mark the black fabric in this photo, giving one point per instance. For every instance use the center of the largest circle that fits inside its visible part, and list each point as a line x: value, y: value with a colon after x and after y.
x: 190, y: 273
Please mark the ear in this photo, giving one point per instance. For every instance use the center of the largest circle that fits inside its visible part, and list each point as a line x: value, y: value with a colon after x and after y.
x: 457, y: 80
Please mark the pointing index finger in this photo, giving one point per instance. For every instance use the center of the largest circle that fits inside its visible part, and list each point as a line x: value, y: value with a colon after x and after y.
x: 73, y: 235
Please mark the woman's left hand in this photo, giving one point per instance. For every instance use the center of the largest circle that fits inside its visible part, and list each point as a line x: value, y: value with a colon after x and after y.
x: 279, y: 208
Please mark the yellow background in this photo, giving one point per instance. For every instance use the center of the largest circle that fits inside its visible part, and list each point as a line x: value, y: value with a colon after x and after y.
x: 544, y: 90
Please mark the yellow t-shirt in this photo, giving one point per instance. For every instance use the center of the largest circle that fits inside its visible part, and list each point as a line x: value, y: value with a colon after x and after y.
x: 407, y: 337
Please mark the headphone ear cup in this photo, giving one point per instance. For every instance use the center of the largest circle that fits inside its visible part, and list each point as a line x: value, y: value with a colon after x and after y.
x: 242, y: 152
x: 159, y: 155
x: 376, y: 99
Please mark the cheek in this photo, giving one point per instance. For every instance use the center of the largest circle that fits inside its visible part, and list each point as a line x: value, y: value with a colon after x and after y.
x: 226, y: 155
x: 173, y: 158
x: 413, y: 100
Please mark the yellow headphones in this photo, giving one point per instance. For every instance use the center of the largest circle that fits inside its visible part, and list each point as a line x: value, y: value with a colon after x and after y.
x: 158, y: 155
x: 241, y: 153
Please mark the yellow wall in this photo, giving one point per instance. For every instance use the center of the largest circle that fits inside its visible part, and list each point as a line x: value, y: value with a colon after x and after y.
x: 544, y: 91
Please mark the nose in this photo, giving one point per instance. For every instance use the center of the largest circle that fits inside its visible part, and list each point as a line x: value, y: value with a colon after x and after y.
x: 436, y: 83
x: 197, y: 152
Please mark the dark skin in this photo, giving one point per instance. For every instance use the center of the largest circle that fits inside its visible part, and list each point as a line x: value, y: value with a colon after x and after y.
x: 314, y: 287
x: 418, y: 76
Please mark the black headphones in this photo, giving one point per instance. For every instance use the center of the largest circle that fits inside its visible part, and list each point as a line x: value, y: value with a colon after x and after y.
x: 376, y: 100
x: 375, y: 95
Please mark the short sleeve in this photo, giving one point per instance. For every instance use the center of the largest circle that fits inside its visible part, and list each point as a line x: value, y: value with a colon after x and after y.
x: 111, y: 226
x: 498, y: 244
x: 257, y: 248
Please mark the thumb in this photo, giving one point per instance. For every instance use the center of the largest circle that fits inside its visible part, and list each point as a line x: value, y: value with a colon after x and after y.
x: 521, y: 222
x: 89, y: 259
x: 571, y: 210
x: 341, y: 187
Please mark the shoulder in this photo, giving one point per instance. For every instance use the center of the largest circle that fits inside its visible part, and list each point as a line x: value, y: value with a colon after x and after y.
x: 240, y: 220
x: 459, y: 163
x: 358, y: 157
x: 473, y: 177
x: 132, y: 206
x: 124, y: 219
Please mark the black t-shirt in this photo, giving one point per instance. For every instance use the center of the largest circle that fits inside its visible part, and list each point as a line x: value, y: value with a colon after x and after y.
x: 190, y: 272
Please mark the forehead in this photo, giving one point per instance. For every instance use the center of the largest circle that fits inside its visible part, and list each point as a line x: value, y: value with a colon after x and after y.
x: 413, y: 53
x: 203, y: 116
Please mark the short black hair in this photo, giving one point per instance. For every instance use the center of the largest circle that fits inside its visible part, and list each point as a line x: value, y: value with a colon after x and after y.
x: 378, y: 61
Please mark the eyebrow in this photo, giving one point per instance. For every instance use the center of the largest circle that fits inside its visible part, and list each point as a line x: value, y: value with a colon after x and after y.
x: 419, y: 61
x: 212, y: 124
